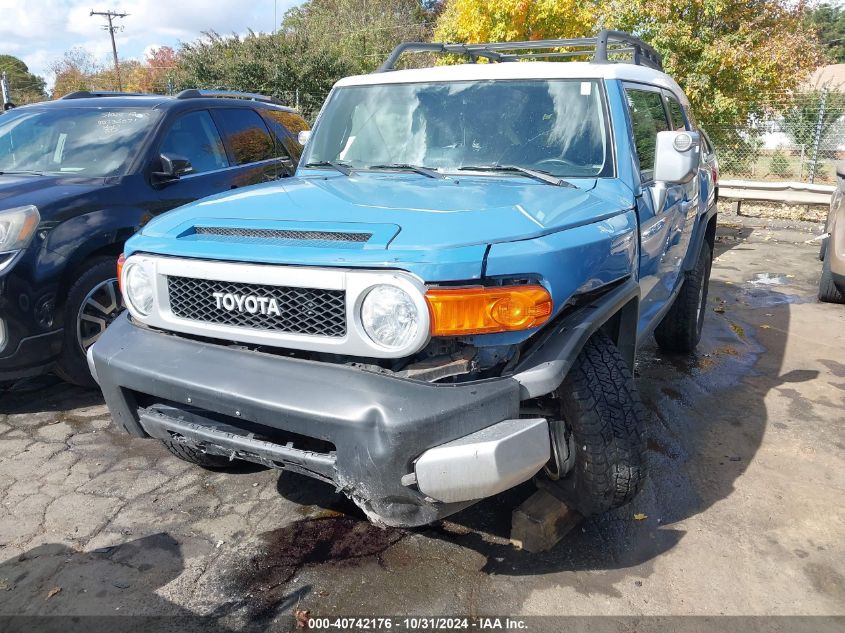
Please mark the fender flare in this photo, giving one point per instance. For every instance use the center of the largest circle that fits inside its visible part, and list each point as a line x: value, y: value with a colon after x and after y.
x: 699, y: 235
x: 548, y: 360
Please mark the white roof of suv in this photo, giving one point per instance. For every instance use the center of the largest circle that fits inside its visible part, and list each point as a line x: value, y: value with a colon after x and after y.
x: 521, y: 70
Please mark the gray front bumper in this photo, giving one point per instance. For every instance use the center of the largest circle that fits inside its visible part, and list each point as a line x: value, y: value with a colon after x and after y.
x: 407, y: 452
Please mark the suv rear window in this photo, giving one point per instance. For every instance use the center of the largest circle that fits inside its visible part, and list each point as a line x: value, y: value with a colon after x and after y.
x: 285, y: 126
x: 246, y: 135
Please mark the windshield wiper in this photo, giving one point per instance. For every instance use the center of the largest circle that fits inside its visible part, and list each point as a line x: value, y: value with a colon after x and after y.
x: 343, y: 168
x: 425, y: 171
x: 536, y: 174
x: 30, y: 172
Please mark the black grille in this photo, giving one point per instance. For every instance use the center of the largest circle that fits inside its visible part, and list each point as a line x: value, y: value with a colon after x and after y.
x: 330, y: 236
x: 301, y: 310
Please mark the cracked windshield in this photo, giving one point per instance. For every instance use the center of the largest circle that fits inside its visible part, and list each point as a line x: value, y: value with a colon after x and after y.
x: 557, y: 127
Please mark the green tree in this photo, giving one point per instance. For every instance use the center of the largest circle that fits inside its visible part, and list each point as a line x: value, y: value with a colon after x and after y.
x: 803, y: 119
x: 779, y: 164
x: 23, y: 85
x: 282, y: 65
x: 361, y: 32
x: 320, y: 41
x: 828, y: 21
x: 729, y: 56
x: 76, y: 70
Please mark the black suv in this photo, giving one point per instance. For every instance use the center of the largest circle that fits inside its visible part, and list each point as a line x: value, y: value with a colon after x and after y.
x: 78, y: 176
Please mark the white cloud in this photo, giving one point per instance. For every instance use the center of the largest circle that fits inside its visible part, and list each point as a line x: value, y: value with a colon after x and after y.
x: 40, y: 31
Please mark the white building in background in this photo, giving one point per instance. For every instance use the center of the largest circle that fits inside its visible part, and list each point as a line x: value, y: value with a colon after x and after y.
x: 832, y: 76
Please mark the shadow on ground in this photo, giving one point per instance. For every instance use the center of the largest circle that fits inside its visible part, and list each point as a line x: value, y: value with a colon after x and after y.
x: 106, y: 590
x: 45, y: 393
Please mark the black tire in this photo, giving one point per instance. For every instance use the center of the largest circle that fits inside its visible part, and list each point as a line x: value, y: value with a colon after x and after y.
x: 680, y: 328
x: 195, y: 456
x: 823, y: 249
x: 828, y: 291
x: 99, y: 272
x: 603, y: 425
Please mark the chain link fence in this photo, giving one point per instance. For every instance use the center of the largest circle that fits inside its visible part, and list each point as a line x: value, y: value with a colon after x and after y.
x: 801, y: 138
x: 306, y: 103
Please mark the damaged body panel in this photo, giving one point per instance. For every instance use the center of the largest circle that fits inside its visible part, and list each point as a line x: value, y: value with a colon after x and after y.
x: 444, y: 302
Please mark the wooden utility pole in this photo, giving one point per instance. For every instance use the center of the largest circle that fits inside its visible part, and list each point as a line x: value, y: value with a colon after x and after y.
x: 111, y: 28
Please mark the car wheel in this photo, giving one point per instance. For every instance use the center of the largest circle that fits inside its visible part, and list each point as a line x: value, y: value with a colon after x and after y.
x: 196, y: 456
x: 93, y: 302
x: 680, y: 328
x: 599, y: 442
x: 828, y: 291
x: 823, y: 249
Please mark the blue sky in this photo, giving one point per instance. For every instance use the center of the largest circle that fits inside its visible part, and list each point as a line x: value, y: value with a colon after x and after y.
x: 39, y: 31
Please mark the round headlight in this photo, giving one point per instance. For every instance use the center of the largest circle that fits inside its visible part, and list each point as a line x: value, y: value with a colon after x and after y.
x: 389, y: 316
x: 138, y: 288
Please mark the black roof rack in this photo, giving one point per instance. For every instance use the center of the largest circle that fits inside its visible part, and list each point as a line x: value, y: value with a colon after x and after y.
x: 87, y: 94
x: 194, y: 93
x: 600, y: 47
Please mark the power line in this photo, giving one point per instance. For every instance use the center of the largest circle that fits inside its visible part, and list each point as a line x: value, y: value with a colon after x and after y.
x: 111, y: 28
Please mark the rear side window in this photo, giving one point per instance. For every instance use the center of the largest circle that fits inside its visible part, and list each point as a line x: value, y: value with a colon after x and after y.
x: 246, y: 135
x: 285, y: 127
x: 676, y: 114
x: 195, y: 137
x: 647, y: 119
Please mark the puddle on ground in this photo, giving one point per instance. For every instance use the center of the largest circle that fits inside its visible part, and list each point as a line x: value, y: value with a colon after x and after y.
x: 764, y: 296
x: 769, y: 279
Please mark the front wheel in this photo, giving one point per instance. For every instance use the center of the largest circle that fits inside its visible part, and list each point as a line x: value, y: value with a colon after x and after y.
x: 828, y: 291
x: 93, y: 302
x: 599, y: 442
x: 680, y: 329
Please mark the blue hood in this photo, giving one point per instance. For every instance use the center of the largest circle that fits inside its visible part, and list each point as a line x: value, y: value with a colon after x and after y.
x: 411, y: 218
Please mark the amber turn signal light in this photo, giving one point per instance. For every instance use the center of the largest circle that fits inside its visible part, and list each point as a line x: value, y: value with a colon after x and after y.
x: 120, y: 262
x: 479, y: 310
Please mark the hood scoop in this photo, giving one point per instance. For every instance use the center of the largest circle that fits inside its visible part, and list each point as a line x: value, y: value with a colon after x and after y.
x: 285, y: 237
x: 326, y: 235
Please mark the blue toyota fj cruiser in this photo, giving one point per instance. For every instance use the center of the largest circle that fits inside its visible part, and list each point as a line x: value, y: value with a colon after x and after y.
x: 446, y: 299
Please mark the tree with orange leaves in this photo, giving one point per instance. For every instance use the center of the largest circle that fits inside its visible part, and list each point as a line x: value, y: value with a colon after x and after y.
x: 730, y: 56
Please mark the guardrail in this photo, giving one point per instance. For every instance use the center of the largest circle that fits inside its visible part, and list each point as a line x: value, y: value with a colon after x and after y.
x: 785, y: 192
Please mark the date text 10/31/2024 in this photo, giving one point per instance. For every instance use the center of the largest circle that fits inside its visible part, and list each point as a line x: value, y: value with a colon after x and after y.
x: 418, y: 624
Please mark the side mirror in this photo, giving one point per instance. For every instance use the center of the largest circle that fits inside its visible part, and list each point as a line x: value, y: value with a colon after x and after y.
x: 303, y: 137
x: 840, y: 169
x: 173, y: 167
x: 676, y: 160
x: 677, y: 157
x: 288, y: 166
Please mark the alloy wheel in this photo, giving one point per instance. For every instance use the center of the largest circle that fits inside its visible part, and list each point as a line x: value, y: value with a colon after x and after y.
x: 100, y: 307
